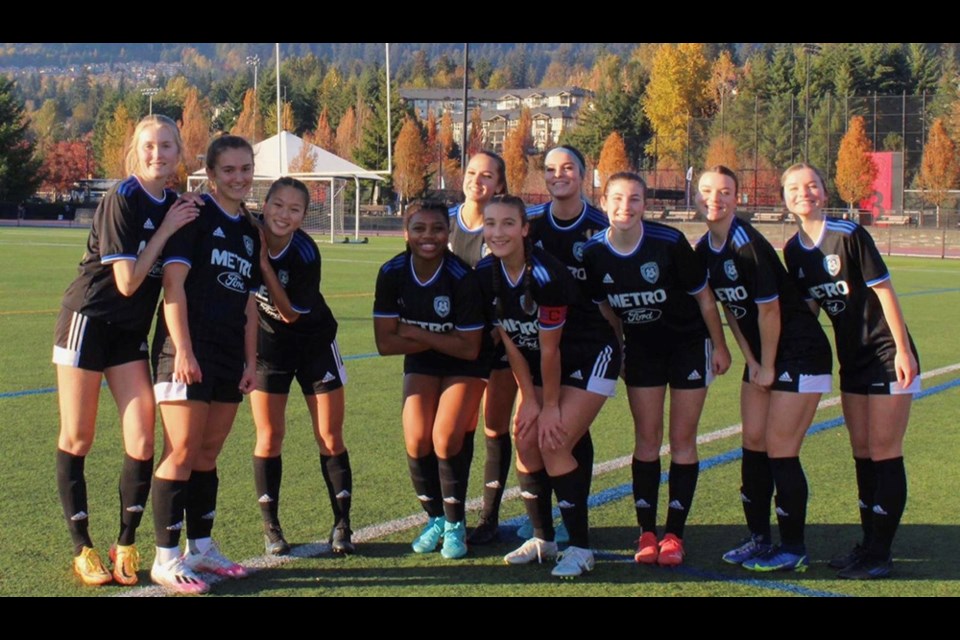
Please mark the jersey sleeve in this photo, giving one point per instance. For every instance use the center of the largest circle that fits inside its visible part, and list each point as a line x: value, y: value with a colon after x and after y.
x: 762, y: 263
x: 119, y: 236
x: 468, y: 306
x: 553, y: 297
x: 385, y: 298
x: 691, y: 274
x: 303, y: 285
x: 865, y: 250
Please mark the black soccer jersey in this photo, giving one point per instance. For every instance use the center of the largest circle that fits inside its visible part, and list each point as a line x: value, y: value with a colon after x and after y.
x: 298, y: 268
x: 124, y: 222
x: 466, y: 244
x: 565, y: 241
x: 651, y: 288
x: 551, y: 287
x: 449, y: 300
x: 745, y: 272
x: 222, y: 252
x: 838, y: 273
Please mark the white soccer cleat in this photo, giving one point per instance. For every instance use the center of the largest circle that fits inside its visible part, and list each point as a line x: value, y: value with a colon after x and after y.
x: 532, y: 549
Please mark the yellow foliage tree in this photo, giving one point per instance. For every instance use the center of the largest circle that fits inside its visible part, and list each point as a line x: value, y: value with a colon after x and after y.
x: 939, y: 170
x: 856, y: 170
x: 117, y: 137
x: 613, y: 157
x: 678, y: 91
x: 305, y: 161
x: 323, y: 135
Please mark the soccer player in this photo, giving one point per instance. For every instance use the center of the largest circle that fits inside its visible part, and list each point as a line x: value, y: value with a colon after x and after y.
x: 838, y: 268
x: 102, y: 332
x: 205, y: 358
x: 427, y: 308
x: 564, y: 373
x: 788, y: 364
x: 297, y: 338
x: 653, y: 289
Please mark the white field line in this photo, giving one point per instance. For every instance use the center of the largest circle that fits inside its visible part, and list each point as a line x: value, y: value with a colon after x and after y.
x: 375, y: 531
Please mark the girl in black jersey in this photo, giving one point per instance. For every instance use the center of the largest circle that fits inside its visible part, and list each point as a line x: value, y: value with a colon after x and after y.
x: 564, y: 375
x: 427, y: 307
x: 653, y: 289
x: 485, y: 177
x: 297, y: 338
x: 205, y: 356
x: 838, y: 268
x: 788, y: 364
x: 102, y: 332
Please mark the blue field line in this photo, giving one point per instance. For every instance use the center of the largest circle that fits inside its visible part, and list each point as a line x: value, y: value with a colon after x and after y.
x: 927, y: 292
x: 35, y: 392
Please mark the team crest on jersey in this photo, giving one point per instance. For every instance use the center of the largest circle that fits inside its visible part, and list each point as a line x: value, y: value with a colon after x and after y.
x: 441, y: 304
x: 578, y: 251
x: 248, y: 245
x: 284, y: 276
x: 650, y: 272
x: 730, y: 269
x: 832, y: 264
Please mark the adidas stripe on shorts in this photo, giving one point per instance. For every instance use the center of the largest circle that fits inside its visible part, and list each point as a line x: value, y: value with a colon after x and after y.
x: 687, y: 366
x: 88, y: 343
x: 316, y: 364
x: 591, y: 366
x: 808, y: 375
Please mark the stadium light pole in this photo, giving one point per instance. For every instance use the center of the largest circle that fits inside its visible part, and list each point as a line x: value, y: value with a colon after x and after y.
x: 463, y: 138
x: 150, y: 92
x: 809, y: 49
x: 254, y: 61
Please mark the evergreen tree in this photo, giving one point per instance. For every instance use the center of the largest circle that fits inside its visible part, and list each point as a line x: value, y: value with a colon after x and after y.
x: 19, y: 170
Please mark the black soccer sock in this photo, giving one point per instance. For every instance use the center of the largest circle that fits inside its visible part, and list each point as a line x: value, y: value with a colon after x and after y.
x: 73, y: 497
x: 646, y: 487
x: 135, y: 478
x: 535, y: 491
x: 866, y: 491
x: 888, y: 504
x: 791, y: 501
x: 495, y: 470
x: 683, y: 484
x: 425, y: 474
x: 267, y: 476
x: 453, y: 508
x: 462, y: 463
x: 756, y: 491
x: 583, y: 453
x: 338, y: 476
x: 201, y: 503
x: 169, y: 501
x: 572, y: 499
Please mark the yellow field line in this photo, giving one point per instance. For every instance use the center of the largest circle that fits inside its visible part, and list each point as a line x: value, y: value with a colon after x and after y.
x: 27, y: 312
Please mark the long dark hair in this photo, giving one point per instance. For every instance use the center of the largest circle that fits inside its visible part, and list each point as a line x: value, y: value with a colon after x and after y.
x: 517, y: 204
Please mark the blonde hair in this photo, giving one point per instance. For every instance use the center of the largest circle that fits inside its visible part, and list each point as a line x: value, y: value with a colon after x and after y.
x: 132, y: 162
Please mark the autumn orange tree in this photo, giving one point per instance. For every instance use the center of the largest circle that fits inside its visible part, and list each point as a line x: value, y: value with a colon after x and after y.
x: 64, y: 163
x: 939, y: 170
x: 856, y: 170
x: 250, y: 122
x: 410, y: 161
x: 323, y: 135
x: 722, y: 150
x: 613, y: 157
x: 515, y: 146
x: 194, y: 130
x: 475, y: 139
x: 347, y: 134
x: 306, y: 159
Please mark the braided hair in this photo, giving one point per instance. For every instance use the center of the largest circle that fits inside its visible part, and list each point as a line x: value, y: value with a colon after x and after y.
x: 527, y: 298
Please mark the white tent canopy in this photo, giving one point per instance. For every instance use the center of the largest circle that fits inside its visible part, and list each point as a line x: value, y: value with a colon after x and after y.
x: 273, y: 157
